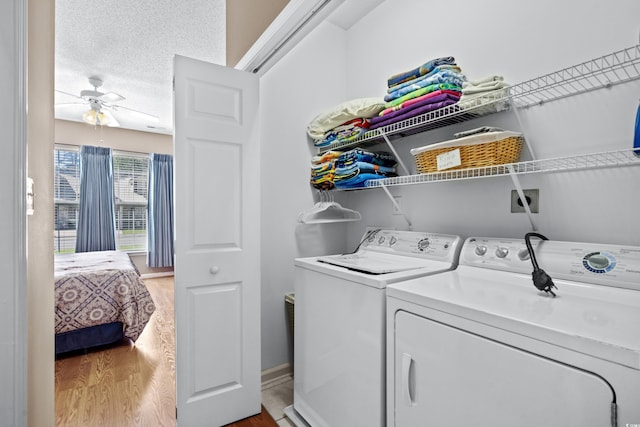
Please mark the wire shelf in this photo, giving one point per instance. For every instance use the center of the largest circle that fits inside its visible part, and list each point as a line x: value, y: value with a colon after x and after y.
x: 558, y: 164
x: 618, y: 67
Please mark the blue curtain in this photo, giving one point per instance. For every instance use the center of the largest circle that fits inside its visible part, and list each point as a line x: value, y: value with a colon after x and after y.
x: 160, y: 230
x: 96, y: 218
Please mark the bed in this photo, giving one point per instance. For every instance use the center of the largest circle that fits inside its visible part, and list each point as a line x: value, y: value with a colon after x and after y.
x: 100, y: 299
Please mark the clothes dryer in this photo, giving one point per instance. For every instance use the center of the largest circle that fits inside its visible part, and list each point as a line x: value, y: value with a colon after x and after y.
x: 339, y: 332
x: 480, y: 345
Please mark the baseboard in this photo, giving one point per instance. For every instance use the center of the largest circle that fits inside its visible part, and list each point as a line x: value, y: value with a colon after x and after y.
x: 154, y: 275
x: 276, y: 372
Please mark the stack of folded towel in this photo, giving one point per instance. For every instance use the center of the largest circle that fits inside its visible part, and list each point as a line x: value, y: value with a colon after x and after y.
x: 433, y: 85
x: 323, y: 170
x: 344, y: 122
x: 491, y: 91
x: 353, y: 168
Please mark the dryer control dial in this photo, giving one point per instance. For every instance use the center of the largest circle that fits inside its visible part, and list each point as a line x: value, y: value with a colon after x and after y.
x: 480, y: 250
x: 599, y: 262
x: 502, y: 251
x: 524, y: 254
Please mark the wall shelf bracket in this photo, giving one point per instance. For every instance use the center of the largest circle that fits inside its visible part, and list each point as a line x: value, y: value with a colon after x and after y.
x: 395, y: 153
x: 397, y: 206
x: 527, y: 209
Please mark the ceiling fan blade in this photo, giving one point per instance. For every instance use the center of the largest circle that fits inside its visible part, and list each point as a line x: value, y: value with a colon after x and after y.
x: 69, y: 104
x: 68, y: 94
x: 111, y: 97
x: 111, y: 120
x: 146, y: 116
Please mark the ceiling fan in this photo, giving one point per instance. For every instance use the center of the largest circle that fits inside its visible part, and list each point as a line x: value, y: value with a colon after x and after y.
x: 101, y: 105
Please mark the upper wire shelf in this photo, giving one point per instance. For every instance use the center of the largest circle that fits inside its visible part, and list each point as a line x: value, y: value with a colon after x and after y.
x: 559, y: 164
x: 617, y: 67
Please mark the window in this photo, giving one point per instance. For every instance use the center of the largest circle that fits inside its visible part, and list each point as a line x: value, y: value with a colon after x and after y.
x: 130, y: 182
x: 130, y: 177
x: 66, y: 198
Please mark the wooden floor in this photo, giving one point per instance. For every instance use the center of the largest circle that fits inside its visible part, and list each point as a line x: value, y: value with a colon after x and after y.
x: 126, y: 385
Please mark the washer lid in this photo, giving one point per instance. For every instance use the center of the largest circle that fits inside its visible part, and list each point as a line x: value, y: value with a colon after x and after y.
x: 599, y: 321
x: 373, y: 262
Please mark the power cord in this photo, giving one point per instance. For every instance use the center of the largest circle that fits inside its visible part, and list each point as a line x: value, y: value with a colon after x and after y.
x: 541, y: 280
x: 368, y: 235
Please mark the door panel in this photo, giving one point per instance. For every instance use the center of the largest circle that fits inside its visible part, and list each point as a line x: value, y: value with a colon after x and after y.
x: 448, y: 377
x: 225, y: 231
x: 217, y: 263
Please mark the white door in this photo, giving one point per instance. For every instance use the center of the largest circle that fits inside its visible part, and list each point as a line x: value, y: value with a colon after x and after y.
x: 217, y: 258
x: 447, y: 377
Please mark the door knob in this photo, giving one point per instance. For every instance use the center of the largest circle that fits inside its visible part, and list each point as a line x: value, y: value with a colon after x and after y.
x: 215, y: 269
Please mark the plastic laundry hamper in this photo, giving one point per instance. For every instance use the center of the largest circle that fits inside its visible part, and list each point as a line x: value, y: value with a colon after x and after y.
x: 289, y: 301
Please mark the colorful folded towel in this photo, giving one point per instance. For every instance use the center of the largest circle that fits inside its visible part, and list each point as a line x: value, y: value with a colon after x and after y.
x: 441, y: 77
x: 419, y: 71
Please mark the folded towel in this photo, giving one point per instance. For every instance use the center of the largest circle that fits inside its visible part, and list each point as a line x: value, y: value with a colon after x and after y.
x: 364, y: 167
x: 441, y: 77
x: 423, y: 91
x: 419, y: 71
x: 486, y: 84
x: 437, y: 96
x: 400, y: 115
x: 381, y: 158
x: 325, y: 157
x: 482, y: 129
x: 447, y: 67
x: 356, y: 180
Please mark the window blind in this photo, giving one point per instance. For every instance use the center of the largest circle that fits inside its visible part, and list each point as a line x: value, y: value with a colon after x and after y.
x: 130, y: 190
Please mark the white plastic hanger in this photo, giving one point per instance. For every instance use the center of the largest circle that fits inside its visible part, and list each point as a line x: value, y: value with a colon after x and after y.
x: 326, y: 210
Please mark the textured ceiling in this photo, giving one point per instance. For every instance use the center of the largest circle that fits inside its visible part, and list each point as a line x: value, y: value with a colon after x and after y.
x: 130, y: 46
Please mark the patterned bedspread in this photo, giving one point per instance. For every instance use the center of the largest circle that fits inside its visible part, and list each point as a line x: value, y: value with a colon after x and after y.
x: 93, y: 288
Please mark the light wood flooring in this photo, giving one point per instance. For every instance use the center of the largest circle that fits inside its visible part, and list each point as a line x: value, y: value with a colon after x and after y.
x: 128, y: 385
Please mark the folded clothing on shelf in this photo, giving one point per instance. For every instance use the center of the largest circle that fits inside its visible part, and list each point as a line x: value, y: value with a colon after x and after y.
x: 355, y: 167
x: 425, y: 68
x: 345, y: 132
x: 487, y: 95
x: 432, y: 86
x: 361, y: 108
x: 414, y: 109
x: 323, y: 169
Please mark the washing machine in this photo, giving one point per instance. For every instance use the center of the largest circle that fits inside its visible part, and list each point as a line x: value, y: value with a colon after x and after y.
x: 339, y: 333
x: 482, y: 346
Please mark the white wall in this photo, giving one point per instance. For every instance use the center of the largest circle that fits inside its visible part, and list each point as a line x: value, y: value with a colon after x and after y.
x: 519, y: 41
x: 309, y: 78
x: 77, y: 133
x: 514, y: 39
x: 40, y: 294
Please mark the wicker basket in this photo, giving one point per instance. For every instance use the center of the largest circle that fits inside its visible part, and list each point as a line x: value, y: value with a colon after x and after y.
x: 480, y: 150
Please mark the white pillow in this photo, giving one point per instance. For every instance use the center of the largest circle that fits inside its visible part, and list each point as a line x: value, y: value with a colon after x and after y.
x: 349, y: 110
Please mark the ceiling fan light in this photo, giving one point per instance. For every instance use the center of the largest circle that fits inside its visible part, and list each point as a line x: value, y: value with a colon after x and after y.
x: 90, y: 117
x: 103, y: 120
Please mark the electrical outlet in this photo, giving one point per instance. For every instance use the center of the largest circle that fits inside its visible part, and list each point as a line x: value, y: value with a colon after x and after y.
x: 532, y: 197
x: 395, y: 208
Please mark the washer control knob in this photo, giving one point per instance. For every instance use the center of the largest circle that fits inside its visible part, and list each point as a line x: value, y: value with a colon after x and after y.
x: 524, y: 255
x: 481, y: 250
x: 380, y: 240
x: 502, y: 252
x: 393, y: 240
